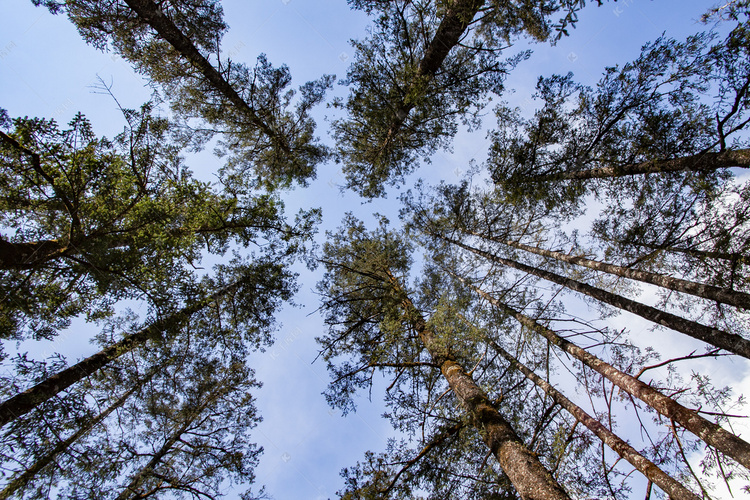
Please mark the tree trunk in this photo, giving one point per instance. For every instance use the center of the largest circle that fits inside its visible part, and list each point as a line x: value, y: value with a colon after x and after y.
x: 528, y: 475
x: 22, y: 480
x: 29, y: 254
x: 650, y: 470
x: 711, y: 433
x: 452, y: 26
x: 149, y: 11
x: 702, y: 162
x: 723, y: 295
x: 734, y: 258
x: 26, y: 401
x: 729, y: 341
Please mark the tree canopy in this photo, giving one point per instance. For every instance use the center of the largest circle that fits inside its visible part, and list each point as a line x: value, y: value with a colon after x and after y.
x: 557, y: 322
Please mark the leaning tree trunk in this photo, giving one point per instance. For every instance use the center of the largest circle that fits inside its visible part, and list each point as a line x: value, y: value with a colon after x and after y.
x: 729, y: 341
x: 523, y: 468
x: 26, y: 401
x: 711, y: 433
x: 22, y: 480
x: 701, y: 162
x: 457, y: 18
x: 723, y: 295
x: 26, y: 255
x: 733, y: 257
x: 645, y: 466
x: 149, y: 11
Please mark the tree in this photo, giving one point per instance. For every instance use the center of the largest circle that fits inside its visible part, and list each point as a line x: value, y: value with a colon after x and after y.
x: 256, y: 290
x: 367, y: 308
x: 479, y: 226
x: 426, y: 67
x: 181, y: 424
x: 644, y: 118
x: 177, y: 45
x: 21, y: 480
x: 89, y: 221
x: 643, y: 464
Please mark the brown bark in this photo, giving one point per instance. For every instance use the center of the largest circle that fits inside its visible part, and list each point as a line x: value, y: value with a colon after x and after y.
x: 734, y: 258
x: 729, y: 341
x: 449, y: 32
x: 711, y: 433
x: 25, y: 255
x: 26, y: 401
x: 150, y: 12
x: 650, y: 470
x: 528, y: 475
x: 22, y: 480
x: 723, y: 295
x: 702, y: 162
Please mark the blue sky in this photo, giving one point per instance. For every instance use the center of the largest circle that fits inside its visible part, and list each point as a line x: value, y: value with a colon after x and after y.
x: 47, y: 71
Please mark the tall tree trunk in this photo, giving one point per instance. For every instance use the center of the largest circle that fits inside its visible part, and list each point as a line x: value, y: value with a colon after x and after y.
x: 26, y: 401
x: 701, y: 162
x: 149, y: 11
x: 729, y: 341
x: 711, y: 433
x: 26, y: 255
x: 733, y: 257
x: 22, y: 480
x: 131, y: 490
x: 723, y: 295
x: 650, y: 470
x: 528, y: 475
x: 449, y: 32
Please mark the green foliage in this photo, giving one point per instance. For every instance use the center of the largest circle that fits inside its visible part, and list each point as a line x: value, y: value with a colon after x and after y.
x: 651, y: 109
x: 88, y: 221
x: 276, y: 139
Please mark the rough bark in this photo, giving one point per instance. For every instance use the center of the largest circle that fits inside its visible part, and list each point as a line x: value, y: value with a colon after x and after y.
x: 711, y: 433
x: 26, y: 401
x: 523, y: 468
x: 729, y: 341
x: 733, y: 257
x: 23, y: 479
x: 149, y: 11
x: 701, y: 162
x: 723, y: 295
x: 25, y: 255
x: 650, y: 470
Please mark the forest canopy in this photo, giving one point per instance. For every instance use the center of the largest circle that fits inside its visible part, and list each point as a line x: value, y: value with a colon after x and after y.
x: 498, y: 298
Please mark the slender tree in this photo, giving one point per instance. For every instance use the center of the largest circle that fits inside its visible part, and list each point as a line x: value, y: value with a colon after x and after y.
x: 88, y: 221
x: 361, y: 286
x: 654, y: 474
x: 177, y: 45
x: 20, y: 481
x: 426, y: 67
x: 709, y: 432
x: 257, y: 291
x: 729, y: 341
